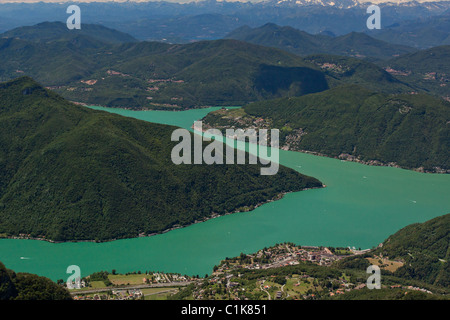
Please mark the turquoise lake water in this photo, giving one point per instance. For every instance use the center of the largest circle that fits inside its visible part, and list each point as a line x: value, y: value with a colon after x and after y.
x: 361, y: 206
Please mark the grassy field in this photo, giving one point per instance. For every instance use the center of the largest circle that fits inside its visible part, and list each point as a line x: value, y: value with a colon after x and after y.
x: 296, y: 286
x: 97, y: 285
x: 122, y: 279
x: 386, y: 264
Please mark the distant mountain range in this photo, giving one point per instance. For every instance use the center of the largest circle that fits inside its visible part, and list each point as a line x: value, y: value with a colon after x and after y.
x: 157, y: 75
x: 427, y: 70
x: 418, y: 33
x: 208, y: 20
x: 299, y: 42
x: 56, y: 31
x: 118, y: 71
x: 352, y: 3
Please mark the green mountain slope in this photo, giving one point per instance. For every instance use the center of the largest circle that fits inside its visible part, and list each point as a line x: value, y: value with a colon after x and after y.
x: 424, y: 248
x: 58, y: 31
x: 72, y: 173
x: 26, y: 286
x: 352, y: 123
x: 421, y: 252
x: 419, y: 33
x: 55, y: 63
x: 7, y: 288
x: 347, y: 70
x: 152, y: 75
x: 354, y: 44
x: 428, y: 70
x: 219, y: 72
x: 158, y: 75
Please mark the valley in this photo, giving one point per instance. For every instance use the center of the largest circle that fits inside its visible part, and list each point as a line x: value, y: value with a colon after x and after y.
x: 91, y: 177
x: 380, y: 201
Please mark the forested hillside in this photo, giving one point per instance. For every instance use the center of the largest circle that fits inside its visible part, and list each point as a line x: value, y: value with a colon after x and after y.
x: 350, y: 122
x: 58, y: 31
x: 427, y: 70
x: 71, y: 173
x: 421, y: 251
x: 355, y: 44
x: 100, y: 66
x: 117, y: 72
x: 425, y: 249
x: 26, y: 286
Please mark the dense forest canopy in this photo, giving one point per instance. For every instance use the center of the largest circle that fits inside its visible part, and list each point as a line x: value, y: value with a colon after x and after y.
x: 73, y: 173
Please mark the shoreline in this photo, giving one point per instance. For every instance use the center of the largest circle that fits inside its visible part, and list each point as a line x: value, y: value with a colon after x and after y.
x: 376, y: 163
x: 212, y: 216
x: 142, y: 235
x: 347, y: 157
x: 343, y: 156
x: 180, y: 109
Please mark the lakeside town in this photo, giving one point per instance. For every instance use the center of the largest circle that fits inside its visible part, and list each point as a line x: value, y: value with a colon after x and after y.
x: 228, y: 280
x: 287, y: 271
x: 282, y: 272
x: 137, y: 285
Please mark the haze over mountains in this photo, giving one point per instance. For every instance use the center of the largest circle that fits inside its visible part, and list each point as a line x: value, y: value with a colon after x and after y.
x: 207, y: 20
x: 49, y: 32
x: 158, y: 75
x: 297, y: 2
x: 97, y: 65
x: 119, y: 71
x: 299, y: 42
x: 309, y: 68
x: 423, y: 70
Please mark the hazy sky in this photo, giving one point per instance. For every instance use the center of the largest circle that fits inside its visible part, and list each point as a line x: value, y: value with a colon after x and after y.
x: 183, y: 1
x: 75, y: 1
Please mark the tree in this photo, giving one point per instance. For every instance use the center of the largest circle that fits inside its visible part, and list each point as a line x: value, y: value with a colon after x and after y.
x: 280, y: 280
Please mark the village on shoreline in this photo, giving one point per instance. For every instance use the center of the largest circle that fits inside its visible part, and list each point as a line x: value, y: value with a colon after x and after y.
x: 139, y: 285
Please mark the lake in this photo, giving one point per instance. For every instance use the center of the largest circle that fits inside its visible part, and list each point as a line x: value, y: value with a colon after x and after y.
x: 361, y: 206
